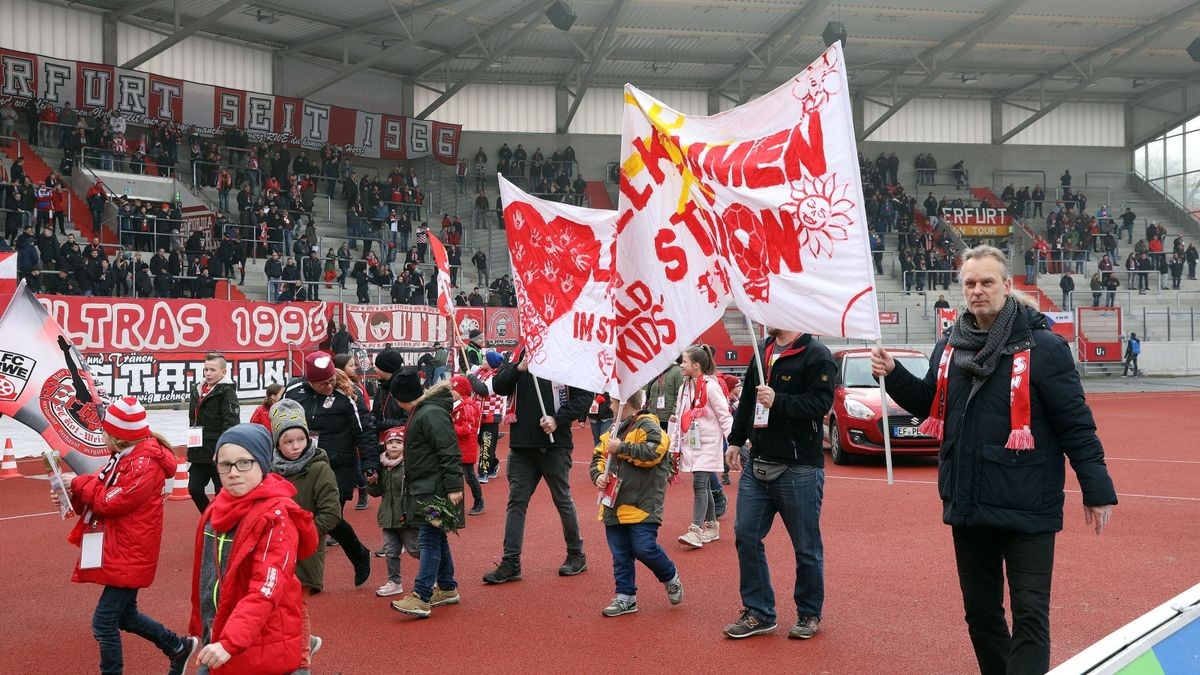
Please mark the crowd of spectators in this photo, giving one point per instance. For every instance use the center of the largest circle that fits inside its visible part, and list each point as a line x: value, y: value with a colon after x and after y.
x: 556, y: 179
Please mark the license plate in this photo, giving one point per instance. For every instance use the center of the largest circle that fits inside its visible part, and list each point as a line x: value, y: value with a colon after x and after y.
x: 907, y: 432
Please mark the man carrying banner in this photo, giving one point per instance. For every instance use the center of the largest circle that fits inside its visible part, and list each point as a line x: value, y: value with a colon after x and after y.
x: 1001, y: 469
x: 540, y: 449
x: 785, y: 475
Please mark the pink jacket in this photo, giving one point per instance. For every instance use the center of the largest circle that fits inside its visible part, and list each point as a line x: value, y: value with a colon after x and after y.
x: 714, y: 423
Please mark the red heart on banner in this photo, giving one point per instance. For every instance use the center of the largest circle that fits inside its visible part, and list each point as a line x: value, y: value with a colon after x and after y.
x: 554, y: 260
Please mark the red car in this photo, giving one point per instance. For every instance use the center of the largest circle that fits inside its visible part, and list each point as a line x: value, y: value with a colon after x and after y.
x: 854, y: 427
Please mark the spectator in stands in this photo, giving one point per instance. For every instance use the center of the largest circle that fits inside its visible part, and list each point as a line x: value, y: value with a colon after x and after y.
x: 578, y: 188
x: 478, y: 220
x: 362, y: 280
x: 460, y: 177
x: 1067, y: 284
x: 454, y: 261
x: 481, y: 269
x: 1097, y: 285
x: 312, y: 271
x: 960, y: 174
x: 1065, y: 179
x: 143, y: 283
x: 475, y: 299
x: 941, y: 303
x: 97, y: 197
x: 8, y: 123
x: 519, y: 160
x: 1110, y: 285
x: 1175, y: 265
x: 893, y: 169
x: 206, y: 286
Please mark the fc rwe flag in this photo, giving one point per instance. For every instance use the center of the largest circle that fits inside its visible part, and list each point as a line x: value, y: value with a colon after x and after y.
x: 760, y: 205
x: 445, y: 301
x: 562, y: 261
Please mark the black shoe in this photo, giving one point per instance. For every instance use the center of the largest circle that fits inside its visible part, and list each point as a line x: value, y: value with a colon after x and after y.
x: 362, y: 567
x: 476, y: 509
x: 725, y: 478
x: 187, y: 652
x: 574, y: 564
x: 506, y: 571
x: 720, y: 503
x: 362, y: 501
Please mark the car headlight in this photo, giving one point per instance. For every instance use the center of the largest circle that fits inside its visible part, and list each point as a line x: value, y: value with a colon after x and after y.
x: 857, y: 410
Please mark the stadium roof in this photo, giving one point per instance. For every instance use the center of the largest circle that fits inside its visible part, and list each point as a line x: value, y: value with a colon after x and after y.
x: 1016, y: 50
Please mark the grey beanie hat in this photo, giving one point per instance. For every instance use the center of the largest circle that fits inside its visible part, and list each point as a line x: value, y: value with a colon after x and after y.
x: 286, y: 414
x: 254, y: 438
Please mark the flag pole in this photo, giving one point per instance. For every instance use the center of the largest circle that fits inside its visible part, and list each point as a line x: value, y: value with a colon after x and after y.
x: 541, y: 402
x: 887, y: 427
x: 754, y: 344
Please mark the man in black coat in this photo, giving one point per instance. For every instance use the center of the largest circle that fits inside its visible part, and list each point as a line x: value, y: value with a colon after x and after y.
x: 785, y: 475
x: 540, y: 450
x: 346, y: 433
x: 212, y: 409
x: 1001, y: 471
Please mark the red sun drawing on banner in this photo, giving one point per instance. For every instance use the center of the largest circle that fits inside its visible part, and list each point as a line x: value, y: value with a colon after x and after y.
x: 556, y: 260
x: 822, y: 212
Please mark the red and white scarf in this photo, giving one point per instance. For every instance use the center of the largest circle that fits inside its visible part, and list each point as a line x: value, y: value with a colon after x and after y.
x: 1020, y: 438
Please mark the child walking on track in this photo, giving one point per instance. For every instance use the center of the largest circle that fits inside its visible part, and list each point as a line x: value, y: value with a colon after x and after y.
x: 120, y: 530
x: 246, y: 600
x: 702, y: 413
x: 635, y: 455
x: 466, y: 427
x: 298, y: 459
x: 399, y: 535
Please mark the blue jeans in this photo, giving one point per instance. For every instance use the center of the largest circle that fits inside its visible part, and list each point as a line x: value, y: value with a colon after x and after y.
x: 436, y: 564
x: 796, y: 496
x: 117, y: 611
x: 637, y: 542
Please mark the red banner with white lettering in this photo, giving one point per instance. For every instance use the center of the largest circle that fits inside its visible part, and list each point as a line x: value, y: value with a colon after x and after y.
x: 760, y: 205
x: 147, y: 99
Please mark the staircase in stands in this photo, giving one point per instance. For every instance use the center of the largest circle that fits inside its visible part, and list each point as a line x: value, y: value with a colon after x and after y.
x: 37, y: 170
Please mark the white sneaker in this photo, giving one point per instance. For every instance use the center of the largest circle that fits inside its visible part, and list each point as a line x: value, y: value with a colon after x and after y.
x: 389, y: 589
x: 693, y: 537
x: 314, y: 645
x: 710, y: 532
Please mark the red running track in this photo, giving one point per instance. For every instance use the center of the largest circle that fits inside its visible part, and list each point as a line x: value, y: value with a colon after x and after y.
x: 892, y: 601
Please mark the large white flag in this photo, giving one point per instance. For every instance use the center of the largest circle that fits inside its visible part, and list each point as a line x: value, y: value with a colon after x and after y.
x: 562, y: 261
x: 761, y: 205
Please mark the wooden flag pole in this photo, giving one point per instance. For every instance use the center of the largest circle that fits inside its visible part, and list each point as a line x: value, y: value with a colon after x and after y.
x: 887, y: 427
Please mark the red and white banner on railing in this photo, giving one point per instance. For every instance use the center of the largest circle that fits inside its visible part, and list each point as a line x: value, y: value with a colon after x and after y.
x: 150, y: 100
x: 415, y: 327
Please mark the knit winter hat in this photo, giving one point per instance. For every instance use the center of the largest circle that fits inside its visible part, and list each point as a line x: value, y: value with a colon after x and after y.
x: 389, y: 361
x: 494, y: 359
x: 406, y: 385
x: 461, y: 385
x: 731, y: 381
x: 254, y: 438
x: 126, y: 419
x: 319, y: 367
x: 475, y: 334
x: 286, y: 414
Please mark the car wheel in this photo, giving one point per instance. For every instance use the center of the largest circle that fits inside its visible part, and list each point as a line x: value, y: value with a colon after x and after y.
x: 836, y: 451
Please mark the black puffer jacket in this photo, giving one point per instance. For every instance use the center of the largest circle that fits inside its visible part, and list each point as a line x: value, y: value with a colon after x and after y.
x: 802, y: 378
x: 526, y: 432
x: 214, y: 413
x: 982, y: 483
x: 344, y: 426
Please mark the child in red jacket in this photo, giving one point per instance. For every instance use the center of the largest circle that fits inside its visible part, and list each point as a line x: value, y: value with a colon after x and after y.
x: 120, y: 529
x: 246, y: 600
x: 466, y: 417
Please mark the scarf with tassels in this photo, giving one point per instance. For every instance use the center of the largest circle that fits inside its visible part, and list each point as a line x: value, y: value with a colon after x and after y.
x: 977, y: 352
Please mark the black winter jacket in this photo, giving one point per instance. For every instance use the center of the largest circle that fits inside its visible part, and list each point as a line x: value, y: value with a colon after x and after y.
x: 802, y: 377
x: 214, y: 413
x: 526, y: 432
x: 432, y: 460
x: 345, y: 426
x: 982, y: 483
x: 386, y: 410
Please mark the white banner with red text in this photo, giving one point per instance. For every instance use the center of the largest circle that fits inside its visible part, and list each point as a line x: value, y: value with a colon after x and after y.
x: 761, y: 205
x: 376, y: 327
x: 148, y: 99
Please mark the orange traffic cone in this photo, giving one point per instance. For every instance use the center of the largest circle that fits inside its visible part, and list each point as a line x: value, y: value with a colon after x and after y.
x: 8, y: 467
x: 179, y: 490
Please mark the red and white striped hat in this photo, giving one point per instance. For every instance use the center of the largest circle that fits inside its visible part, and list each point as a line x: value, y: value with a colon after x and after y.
x: 126, y: 419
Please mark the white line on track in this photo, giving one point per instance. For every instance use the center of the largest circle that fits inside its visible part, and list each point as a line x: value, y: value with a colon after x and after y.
x: 30, y: 515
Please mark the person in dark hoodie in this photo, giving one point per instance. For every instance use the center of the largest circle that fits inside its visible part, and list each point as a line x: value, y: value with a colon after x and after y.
x: 212, y: 408
x: 1003, y: 396
x: 540, y: 449
x: 306, y: 466
x: 433, y: 471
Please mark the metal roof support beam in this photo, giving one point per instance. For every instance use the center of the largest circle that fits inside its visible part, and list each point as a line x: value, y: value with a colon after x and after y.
x: 514, y: 17
x: 131, y: 9
x: 483, y: 64
x: 1169, y: 20
x: 970, y: 35
x: 182, y: 34
x: 1131, y: 50
x: 776, y: 55
x: 609, y: 29
x: 801, y: 17
x: 381, y: 55
x: 589, y: 52
x: 372, y: 21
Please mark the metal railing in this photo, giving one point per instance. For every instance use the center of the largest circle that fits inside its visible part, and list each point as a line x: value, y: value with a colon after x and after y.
x: 13, y: 138
x: 103, y: 163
